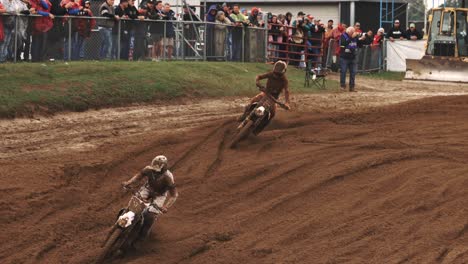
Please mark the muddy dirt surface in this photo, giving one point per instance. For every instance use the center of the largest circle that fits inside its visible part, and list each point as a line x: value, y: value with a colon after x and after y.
x: 344, y: 178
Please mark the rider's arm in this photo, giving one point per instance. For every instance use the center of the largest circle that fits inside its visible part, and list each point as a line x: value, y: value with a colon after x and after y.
x: 171, y: 198
x: 134, y: 179
x: 260, y: 77
x: 172, y: 193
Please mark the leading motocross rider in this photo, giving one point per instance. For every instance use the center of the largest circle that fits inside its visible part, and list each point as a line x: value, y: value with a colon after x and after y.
x: 275, y: 84
x: 159, y: 184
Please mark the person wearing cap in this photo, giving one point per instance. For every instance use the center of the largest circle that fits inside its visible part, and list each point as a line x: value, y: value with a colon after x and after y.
x: 244, y: 12
x: 412, y: 33
x: 348, y: 58
x: 315, y: 33
x: 158, y: 190
x: 396, y: 32
x: 227, y: 12
x: 378, y: 38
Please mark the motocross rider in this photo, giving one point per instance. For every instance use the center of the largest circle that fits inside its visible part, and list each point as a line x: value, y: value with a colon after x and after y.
x: 159, y: 184
x: 275, y: 84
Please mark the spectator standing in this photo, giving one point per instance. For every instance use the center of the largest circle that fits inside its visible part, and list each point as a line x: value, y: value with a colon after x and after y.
x: 168, y: 40
x: 23, y: 35
x: 289, y: 26
x: 12, y: 7
x: 367, y: 38
x: 72, y: 8
x: 105, y: 28
x: 121, y: 24
x: 275, y: 36
x: 253, y: 21
x: 348, y: 47
x: 131, y: 24
x: 146, y: 12
x: 284, y: 37
x: 327, y: 36
x: 315, y: 33
x: 336, y: 36
x: 157, y: 30
x: 41, y: 26
x: 396, y: 32
x: 298, y: 38
x: 84, y: 26
x: 56, y: 35
x: 220, y: 34
x: 244, y: 12
x: 190, y: 30
x: 412, y: 33
x: 239, y: 21
x: 3, y: 42
x: 227, y: 13
x: 378, y: 38
x: 211, y: 18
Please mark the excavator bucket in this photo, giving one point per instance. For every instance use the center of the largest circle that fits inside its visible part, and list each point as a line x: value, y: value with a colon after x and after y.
x: 442, y: 69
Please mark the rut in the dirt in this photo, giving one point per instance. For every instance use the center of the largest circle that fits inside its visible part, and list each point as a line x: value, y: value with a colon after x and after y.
x: 387, y: 186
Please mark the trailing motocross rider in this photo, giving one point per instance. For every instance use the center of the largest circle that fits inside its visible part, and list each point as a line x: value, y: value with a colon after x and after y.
x: 159, y: 184
x: 275, y: 84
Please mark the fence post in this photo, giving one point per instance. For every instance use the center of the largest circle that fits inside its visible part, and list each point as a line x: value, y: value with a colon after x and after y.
x: 383, y: 58
x: 118, y: 38
x: 266, y: 40
x: 164, y: 41
x: 243, y: 44
x: 15, y: 52
x: 69, y: 38
x: 204, y: 40
x: 182, y: 42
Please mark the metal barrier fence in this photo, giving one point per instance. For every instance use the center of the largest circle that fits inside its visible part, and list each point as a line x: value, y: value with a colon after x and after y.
x: 369, y: 57
x: 303, y: 51
x: 32, y: 38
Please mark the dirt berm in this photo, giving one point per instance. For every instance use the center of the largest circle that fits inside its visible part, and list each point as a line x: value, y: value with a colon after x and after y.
x: 382, y: 186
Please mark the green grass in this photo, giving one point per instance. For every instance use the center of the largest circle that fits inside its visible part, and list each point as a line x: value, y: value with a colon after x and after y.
x: 393, y: 76
x: 31, y: 88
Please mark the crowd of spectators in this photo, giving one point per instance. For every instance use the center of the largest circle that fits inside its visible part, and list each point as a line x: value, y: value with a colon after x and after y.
x: 129, y: 32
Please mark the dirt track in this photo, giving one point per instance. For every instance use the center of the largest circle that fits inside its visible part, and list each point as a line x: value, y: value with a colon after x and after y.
x: 339, y: 180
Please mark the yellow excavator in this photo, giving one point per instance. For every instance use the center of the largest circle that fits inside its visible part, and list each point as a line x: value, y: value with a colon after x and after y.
x: 446, y: 57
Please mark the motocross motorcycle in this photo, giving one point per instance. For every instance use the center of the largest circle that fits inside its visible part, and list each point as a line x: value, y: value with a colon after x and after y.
x: 259, y: 115
x: 126, y: 228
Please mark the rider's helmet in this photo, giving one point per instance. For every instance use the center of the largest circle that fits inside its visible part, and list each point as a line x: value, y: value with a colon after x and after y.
x: 159, y: 163
x: 280, y: 67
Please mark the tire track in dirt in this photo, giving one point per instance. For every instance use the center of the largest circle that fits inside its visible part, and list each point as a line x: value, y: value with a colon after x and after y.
x: 386, y: 185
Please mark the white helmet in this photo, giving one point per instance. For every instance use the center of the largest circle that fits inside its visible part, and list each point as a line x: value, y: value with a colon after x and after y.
x: 159, y: 163
x: 280, y: 67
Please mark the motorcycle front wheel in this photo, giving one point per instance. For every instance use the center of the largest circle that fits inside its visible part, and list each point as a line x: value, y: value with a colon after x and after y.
x: 108, y: 246
x: 243, y: 133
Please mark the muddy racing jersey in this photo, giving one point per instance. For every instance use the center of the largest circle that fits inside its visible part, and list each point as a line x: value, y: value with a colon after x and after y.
x: 275, y: 84
x: 158, y: 182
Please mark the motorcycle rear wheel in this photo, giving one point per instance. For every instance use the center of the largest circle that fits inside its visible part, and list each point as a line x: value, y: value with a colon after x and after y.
x: 243, y: 133
x: 107, y: 248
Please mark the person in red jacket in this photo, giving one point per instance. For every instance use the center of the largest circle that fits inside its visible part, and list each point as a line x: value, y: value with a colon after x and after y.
x: 41, y: 25
x: 2, y: 35
x: 83, y: 27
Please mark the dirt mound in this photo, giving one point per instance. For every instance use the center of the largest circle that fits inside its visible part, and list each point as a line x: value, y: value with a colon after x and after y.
x: 386, y: 186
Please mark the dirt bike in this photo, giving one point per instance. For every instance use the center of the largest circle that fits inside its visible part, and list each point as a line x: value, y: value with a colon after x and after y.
x: 258, y: 114
x: 126, y: 229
